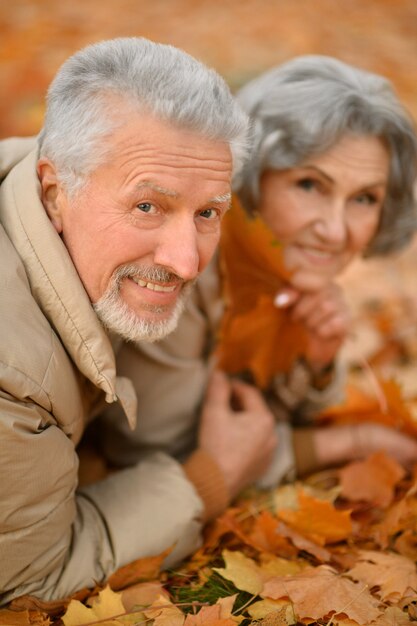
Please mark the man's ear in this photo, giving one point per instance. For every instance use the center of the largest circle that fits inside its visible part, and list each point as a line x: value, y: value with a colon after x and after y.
x: 50, y: 192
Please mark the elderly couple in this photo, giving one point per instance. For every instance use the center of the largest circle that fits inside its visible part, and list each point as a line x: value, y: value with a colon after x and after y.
x: 117, y: 306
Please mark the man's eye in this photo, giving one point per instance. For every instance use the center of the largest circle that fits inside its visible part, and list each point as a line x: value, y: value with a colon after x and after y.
x: 145, y: 207
x: 209, y: 214
x: 306, y: 183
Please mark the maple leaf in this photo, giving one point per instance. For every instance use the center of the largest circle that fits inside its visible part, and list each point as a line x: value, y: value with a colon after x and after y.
x: 164, y: 613
x: 281, y: 611
x: 386, y: 406
x: 219, y: 614
x: 23, y: 618
x: 265, y: 536
x: 372, y: 480
x: 395, y: 575
x: 244, y: 573
x: 142, y: 594
x: 303, y: 543
x: 393, y: 616
x: 146, y: 568
x: 319, y: 592
x: 318, y: 520
x: 106, y: 604
x: 255, y: 335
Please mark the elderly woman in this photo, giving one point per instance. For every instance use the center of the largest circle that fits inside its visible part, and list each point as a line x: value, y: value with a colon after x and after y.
x: 330, y: 176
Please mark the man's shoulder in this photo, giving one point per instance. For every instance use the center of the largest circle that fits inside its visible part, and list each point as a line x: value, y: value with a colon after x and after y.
x: 26, y: 344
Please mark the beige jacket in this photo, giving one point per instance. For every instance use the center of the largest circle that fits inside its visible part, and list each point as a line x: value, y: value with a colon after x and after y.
x: 57, y: 371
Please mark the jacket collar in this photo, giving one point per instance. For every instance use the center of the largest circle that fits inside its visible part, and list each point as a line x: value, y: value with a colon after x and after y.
x: 55, y: 283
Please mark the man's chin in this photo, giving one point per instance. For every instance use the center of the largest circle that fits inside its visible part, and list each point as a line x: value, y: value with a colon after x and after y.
x: 137, y: 326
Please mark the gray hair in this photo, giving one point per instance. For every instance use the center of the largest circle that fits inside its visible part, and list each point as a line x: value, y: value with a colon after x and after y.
x: 151, y: 77
x: 303, y: 107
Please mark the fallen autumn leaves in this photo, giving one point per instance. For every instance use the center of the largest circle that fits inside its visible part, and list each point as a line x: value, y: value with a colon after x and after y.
x: 306, y: 554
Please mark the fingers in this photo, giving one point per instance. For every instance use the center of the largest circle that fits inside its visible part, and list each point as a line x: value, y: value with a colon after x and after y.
x: 249, y: 398
x: 325, y: 313
x: 286, y: 298
x: 218, y: 391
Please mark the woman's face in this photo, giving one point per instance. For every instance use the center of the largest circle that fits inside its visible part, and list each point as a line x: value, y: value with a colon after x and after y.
x: 325, y: 210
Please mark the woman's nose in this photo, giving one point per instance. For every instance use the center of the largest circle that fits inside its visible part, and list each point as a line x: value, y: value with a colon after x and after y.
x: 331, y: 225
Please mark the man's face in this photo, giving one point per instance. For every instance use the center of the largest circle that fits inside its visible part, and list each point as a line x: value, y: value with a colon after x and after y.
x: 146, y: 223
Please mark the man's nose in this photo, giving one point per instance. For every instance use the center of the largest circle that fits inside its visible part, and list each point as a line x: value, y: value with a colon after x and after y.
x: 177, y: 248
x: 331, y: 226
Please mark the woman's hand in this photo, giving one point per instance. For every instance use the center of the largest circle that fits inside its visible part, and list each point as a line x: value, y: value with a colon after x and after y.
x: 326, y: 318
x: 339, y: 444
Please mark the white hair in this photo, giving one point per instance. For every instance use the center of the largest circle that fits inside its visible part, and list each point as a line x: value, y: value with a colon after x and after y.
x: 149, y: 77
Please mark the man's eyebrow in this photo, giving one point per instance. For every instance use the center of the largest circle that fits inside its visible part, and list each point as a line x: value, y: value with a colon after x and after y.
x: 226, y: 197
x: 150, y: 185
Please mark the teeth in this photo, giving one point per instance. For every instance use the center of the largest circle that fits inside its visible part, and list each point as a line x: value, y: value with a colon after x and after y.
x: 154, y: 286
x: 319, y: 253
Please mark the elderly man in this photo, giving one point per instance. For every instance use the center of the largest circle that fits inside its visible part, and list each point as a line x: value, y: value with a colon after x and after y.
x: 104, y: 227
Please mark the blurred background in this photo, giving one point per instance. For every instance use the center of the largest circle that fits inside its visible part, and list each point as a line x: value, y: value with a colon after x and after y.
x: 239, y: 38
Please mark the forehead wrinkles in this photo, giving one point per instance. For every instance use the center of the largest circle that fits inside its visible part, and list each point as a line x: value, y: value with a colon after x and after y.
x: 207, y: 157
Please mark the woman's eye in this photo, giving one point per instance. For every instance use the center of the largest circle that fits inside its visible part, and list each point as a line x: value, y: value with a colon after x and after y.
x: 366, y: 198
x: 145, y: 207
x: 306, y: 183
x: 209, y: 214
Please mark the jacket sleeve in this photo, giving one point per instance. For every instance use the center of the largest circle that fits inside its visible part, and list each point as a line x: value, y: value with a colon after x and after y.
x: 53, y: 539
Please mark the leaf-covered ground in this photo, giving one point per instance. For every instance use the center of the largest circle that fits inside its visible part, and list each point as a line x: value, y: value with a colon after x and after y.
x: 334, y: 549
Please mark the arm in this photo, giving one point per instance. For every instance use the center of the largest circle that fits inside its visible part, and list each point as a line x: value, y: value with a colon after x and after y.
x: 55, y: 540
x: 317, y: 448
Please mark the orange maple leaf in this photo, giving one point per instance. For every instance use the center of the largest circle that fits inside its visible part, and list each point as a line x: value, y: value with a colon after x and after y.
x: 255, y: 335
x: 318, y: 520
x: 388, y: 407
x: 147, y: 568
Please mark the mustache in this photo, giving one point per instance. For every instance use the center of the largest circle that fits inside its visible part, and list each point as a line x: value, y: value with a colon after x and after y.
x: 154, y: 273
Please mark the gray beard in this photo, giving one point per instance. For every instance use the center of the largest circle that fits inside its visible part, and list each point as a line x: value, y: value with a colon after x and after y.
x: 118, y: 318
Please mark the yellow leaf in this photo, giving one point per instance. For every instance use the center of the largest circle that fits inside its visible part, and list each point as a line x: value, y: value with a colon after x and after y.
x: 107, y: 604
x: 164, y: 613
x: 242, y: 571
x: 259, y: 610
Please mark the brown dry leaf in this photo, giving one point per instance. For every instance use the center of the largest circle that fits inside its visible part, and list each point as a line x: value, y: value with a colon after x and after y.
x: 23, y: 618
x: 393, y: 521
x: 137, y: 571
x: 142, y: 595
x: 106, y: 605
x: 372, y: 480
x: 320, y: 592
x: 244, y: 573
x: 318, y: 520
x: 164, y: 613
x: 218, y: 614
x: 395, y: 575
x: 393, y: 616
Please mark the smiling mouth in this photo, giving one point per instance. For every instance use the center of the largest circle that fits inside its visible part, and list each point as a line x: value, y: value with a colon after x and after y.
x: 154, y: 286
x: 322, y: 255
